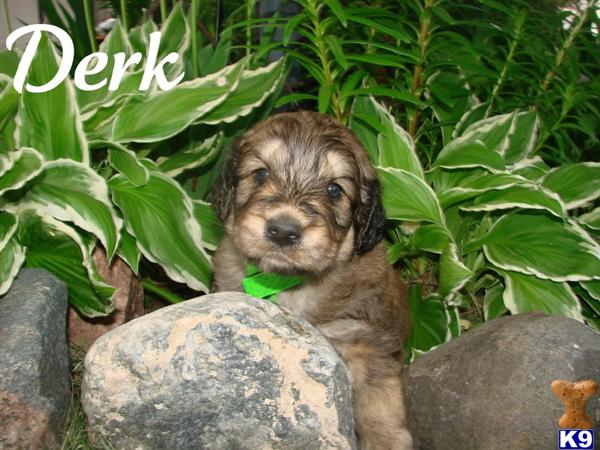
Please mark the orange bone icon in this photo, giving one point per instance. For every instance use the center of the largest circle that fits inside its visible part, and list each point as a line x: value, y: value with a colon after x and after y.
x: 575, y: 396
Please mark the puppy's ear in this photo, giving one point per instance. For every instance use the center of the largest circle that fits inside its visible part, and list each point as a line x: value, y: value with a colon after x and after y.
x: 223, y: 192
x: 369, y: 217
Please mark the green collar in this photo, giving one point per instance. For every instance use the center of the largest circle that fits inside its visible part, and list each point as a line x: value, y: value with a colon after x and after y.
x: 267, y: 285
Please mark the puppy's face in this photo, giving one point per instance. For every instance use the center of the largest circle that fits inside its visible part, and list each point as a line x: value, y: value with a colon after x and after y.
x: 298, y: 195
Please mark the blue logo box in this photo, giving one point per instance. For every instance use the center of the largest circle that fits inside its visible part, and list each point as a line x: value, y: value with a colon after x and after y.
x: 576, y: 439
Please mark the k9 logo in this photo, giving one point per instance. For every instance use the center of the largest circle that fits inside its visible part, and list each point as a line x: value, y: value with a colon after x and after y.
x: 576, y: 439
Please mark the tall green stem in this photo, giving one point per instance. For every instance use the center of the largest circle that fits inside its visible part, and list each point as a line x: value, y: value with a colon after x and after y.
x: 423, y: 41
x: 194, y: 35
x: 249, y: 14
x: 124, y: 14
x: 163, y: 10
x: 89, y: 23
x: 7, y: 16
x: 519, y: 22
x: 313, y: 9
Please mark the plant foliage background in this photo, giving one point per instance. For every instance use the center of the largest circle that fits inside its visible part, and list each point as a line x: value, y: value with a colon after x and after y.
x: 481, y: 117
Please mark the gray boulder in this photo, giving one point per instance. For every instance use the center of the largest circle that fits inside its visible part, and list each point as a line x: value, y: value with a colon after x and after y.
x: 34, y: 362
x: 490, y: 389
x: 223, y: 371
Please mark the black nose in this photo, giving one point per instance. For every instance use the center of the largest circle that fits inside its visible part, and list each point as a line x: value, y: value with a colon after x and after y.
x: 283, y: 231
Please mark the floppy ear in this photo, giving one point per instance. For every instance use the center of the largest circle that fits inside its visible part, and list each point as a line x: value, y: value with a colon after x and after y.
x: 369, y: 217
x: 223, y: 192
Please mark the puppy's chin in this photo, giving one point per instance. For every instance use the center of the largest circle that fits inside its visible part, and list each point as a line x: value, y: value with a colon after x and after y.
x: 278, y: 262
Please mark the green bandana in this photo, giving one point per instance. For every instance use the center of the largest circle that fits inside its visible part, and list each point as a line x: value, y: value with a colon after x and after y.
x: 267, y: 285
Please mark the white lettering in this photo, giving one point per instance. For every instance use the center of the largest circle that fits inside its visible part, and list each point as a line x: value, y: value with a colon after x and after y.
x: 150, y: 71
x: 82, y: 70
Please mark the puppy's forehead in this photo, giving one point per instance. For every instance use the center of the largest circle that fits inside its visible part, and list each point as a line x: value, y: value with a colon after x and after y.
x: 305, y: 155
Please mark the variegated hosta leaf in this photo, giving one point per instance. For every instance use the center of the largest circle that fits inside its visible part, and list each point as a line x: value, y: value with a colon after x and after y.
x: 430, y: 322
x: 115, y: 42
x: 212, y: 228
x: 453, y: 273
x: 591, y: 219
x: 191, y: 158
x: 12, y: 256
x: 175, y: 37
x: 460, y: 154
x: 126, y: 163
x: 396, y: 146
x: 9, y: 104
x: 533, y: 169
x: 592, y: 288
x: 408, y: 197
x: 253, y: 89
x: 431, y: 238
x: 49, y: 121
x: 69, y: 191
x: 165, y: 113
x: 160, y: 216
x: 577, y: 184
x: 129, y: 252
x: 364, y: 122
x: 526, y: 293
x: 543, y: 246
x: 18, y: 167
x: 60, y: 249
x: 512, y: 135
x: 475, y: 185
x: 8, y: 227
x: 139, y: 36
x: 525, y: 197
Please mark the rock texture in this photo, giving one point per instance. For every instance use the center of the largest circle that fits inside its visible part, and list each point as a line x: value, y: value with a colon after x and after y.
x: 128, y: 302
x: 34, y: 362
x: 224, y: 371
x: 490, y: 389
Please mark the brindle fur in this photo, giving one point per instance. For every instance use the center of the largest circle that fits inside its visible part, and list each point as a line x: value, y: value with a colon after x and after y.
x: 351, y: 293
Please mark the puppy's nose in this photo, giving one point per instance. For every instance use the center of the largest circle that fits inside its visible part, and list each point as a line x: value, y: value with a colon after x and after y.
x: 283, y: 231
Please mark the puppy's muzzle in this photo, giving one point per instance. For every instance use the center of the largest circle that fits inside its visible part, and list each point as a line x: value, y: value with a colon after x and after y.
x: 283, y: 231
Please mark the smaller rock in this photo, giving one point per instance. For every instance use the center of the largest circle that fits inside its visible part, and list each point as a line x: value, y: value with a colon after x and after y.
x: 34, y: 362
x: 224, y: 371
x: 128, y: 302
x: 491, y: 388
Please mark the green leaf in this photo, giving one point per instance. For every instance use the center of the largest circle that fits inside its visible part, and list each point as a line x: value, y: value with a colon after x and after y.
x: 363, y: 108
x: 577, y: 184
x: 523, y: 136
x: 324, y: 97
x: 70, y: 191
x: 49, y: 121
x: 8, y: 227
x: 591, y: 219
x: 335, y: 46
x: 12, y: 256
x: 18, y: 167
x: 526, y: 293
x: 467, y: 154
x: 126, y: 163
x: 160, y: 216
x: 58, y: 248
x: 212, y: 228
x: 430, y: 238
x: 166, y: 113
x: 540, y: 245
x: 453, y: 273
x: 129, y: 252
x: 174, y: 37
x: 525, y: 197
x: 9, y: 105
x: 533, y: 169
x: 338, y: 10
x: 408, y: 197
x: 493, y: 303
x: 592, y: 288
x: 9, y: 61
x: 290, y: 27
x: 193, y: 157
x: 397, y: 251
x: 254, y: 87
x: 430, y: 322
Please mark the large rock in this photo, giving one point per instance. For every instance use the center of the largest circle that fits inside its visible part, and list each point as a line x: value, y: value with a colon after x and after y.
x: 128, y: 302
x: 34, y: 362
x: 224, y: 371
x: 490, y: 389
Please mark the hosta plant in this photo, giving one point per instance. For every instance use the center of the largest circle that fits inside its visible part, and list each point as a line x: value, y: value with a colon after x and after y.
x: 497, y: 228
x: 85, y: 168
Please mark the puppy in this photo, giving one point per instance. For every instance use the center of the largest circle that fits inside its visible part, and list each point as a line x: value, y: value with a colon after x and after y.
x: 298, y: 195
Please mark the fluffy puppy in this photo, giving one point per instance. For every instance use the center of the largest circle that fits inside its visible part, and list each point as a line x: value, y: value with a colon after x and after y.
x: 298, y: 195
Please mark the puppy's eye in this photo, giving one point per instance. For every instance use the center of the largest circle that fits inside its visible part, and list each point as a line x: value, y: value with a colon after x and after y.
x: 260, y: 175
x: 334, y: 191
